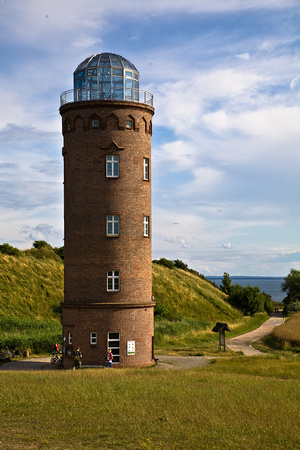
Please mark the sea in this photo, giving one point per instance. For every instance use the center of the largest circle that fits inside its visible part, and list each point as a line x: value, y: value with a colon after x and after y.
x: 269, y: 285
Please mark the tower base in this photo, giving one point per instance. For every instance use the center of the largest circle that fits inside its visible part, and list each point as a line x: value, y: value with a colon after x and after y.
x: 126, y: 329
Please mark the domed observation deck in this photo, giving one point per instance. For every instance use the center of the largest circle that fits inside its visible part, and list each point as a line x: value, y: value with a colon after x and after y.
x: 106, y: 76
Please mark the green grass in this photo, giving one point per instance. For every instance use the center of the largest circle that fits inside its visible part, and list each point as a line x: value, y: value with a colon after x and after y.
x: 243, y: 403
x: 287, y: 335
x: 36, y: 336
x: 284, y: 339
x: 179, y: 293
x: 192, y: 337
x: 30, y: 287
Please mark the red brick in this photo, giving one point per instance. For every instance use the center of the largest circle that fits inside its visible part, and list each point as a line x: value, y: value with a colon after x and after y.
x: 89, y: 197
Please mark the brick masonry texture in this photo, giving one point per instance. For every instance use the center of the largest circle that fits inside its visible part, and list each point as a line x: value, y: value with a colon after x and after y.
x: 89, y: 197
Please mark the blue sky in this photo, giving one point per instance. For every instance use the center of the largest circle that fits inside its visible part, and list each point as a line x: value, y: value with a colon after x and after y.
x: 225, y: 76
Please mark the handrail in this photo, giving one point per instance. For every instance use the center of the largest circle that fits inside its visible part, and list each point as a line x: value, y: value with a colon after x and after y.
x: 121, y: 95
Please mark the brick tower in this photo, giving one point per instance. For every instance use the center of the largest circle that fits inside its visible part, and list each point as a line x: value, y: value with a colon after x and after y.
x: 107, y: 127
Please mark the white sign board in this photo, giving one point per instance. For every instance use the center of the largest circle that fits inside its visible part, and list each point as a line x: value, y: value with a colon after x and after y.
x: 130, y: 347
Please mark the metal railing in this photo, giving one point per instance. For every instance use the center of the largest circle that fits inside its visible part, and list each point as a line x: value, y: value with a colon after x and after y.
x: 121, y: 95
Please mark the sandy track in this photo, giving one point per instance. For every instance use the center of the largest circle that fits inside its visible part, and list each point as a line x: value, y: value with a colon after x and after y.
x: 243, y: 343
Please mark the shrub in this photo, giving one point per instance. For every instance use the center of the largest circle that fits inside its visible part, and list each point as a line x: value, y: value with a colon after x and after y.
x: 9, y: 250
x: 164, y: 262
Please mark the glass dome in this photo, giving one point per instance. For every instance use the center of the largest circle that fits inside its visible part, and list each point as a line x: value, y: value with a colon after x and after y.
x: 106, y: 76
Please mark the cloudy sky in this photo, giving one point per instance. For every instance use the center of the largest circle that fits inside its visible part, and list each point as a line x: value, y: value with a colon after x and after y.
x: 225, y: 75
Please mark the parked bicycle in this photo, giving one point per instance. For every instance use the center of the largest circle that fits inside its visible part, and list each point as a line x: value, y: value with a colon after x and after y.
x: 56, y: 358
x: 10, y: 354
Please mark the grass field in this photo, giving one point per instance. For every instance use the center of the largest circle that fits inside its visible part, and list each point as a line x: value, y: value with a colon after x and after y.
x: 245, y: 403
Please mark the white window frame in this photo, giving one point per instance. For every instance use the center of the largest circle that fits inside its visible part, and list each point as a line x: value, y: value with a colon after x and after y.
x: 113, y: 280
x: 114, y: 162
x: 93, y: 338
x: 70, y: 338
x: 115, y: 345
x: 112, y: 225
x: 146, y: 226
x: 146, y: 169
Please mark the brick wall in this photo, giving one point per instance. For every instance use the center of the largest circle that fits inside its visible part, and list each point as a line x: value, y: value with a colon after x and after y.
x: 89, y: 197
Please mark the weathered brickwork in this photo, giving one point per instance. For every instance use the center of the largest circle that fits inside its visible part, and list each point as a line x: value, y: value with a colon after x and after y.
x: 92, y: 130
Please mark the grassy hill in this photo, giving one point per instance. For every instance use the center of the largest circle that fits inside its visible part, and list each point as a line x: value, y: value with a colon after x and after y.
x: 31, y: 287
x: 31, y: 292
x: 181, y: 294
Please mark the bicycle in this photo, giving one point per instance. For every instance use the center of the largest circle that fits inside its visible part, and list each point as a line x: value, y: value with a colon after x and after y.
x: 56, y: 359
x: 8, y: 354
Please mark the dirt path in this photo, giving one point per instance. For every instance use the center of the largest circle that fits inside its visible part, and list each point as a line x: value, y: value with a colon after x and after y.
x: 243, y: 343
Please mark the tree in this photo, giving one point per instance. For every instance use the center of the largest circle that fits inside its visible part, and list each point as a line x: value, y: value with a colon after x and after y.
x: 226, y: 284
x: 42, y: 250
x: 180, y: 264
x: 41, y: 244
x: 250, y: 300
x: 60, y: 251
x: 291, y: 285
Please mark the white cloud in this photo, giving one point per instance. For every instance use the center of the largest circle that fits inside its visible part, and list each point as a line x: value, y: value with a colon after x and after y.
x: 226, y: 128
x: 244, y: 56
x: 295, y: 83
x: 227, y: 245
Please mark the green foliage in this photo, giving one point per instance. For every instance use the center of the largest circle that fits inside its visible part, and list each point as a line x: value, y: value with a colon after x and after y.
x: 25, y: 333
x: 164, y: 262
x: 7, y: 249
x: 291, y: 285
x: 180, y: 264
x: 292, y: 308
x: 60, y: 251
x: 250, y: 300
x: 226, y: 284
x: 41, y: 244
x: 42, y: 250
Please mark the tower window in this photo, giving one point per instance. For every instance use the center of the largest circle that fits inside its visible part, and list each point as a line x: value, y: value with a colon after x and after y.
x: 129, y: 124
x: 112, y: 225
x: 70, y: 338
x: 146, y: 168
x: 146, y: 226
x: 93, y: 338
x: 113, y: 280
x: 112, y: 166
x: 95, y: 123
x: 114, y: 344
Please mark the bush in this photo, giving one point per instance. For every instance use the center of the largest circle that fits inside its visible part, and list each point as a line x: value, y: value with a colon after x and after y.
x: 9, y: 250
x: 164, y: 262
